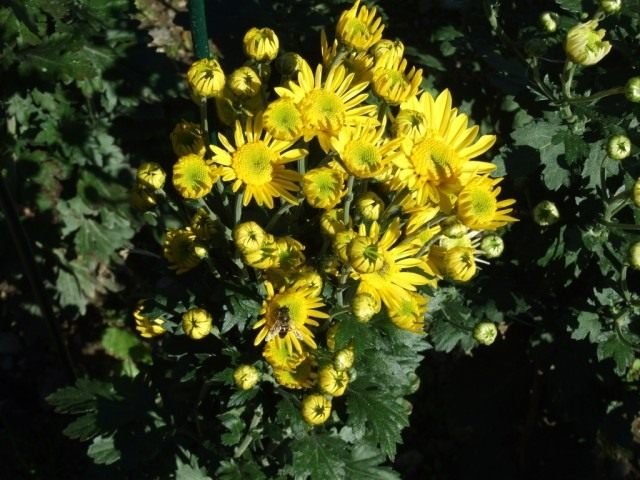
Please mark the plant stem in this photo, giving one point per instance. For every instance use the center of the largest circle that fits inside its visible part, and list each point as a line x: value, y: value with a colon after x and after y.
x: 349, y: 199
x: 238, y: 210
x: 199, y: 35
x: 623, y: 226
x: 281, y: 211
x: 597, y: 96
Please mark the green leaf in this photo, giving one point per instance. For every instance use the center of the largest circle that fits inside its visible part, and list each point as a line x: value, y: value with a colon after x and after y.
x: 380, y: 411
x: 621, y: 353
x: 319, y: 457
x: 191, y: 470
x: 588, y: 326
x: 83, y: 427
x: 232, y: 470
x: 233, y: 422
x: 573, y: 6
x: 365, y: 464
x: 81, y: 397
x: 103, y: 451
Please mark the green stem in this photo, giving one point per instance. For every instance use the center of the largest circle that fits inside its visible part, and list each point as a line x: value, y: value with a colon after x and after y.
x: 349, y: 199
x: 567, y: 80
x: 26, y: 256
x: 597, y: 96
x: 238, y: 210
x: 281, y: 211
x: 623, y: 226
x: 199, y: 28
x: 204, y: 126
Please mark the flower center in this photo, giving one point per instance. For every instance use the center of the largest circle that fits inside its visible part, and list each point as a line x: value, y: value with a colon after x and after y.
x: 323, y: 110
x: 362, y: 158
x: 252, y: 163
x: 435, y: 160
x: 355, y: 27
x: 482, y: 203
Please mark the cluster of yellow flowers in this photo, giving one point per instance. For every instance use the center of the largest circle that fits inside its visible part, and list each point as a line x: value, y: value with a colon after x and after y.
x: 401, y: 198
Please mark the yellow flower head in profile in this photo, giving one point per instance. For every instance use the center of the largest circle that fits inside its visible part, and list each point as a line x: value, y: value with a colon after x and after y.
x: 186, y: 138
x: 584, y: 44
x: 283, y: 120
x: 279, y: 356
x: 246, y: 377
x: 289, y: 256
x: 309, y: 278
x: 316, y: 409
x: 301, y: 376
x: 181, y: 250
x: 388, y: 51
x: 287, y: 315
x: 359, y: 28
x: 358, y: 63
x: 369, y: 206
x: 459, y: 264
x: 244, y: 82
x: 365, y: 151
x: 323, y: 187
x: 257, y: 163
x: 328, y: 103
x: 261, y: 44
x: 411, y: 121
x: 332, y: 381
x: 444, y: 155
x: 202, y: 225
x: 151, y: 176
x: 392, y: 82
x: 365, y: 305
x: 249, y: 236
x: 206, y: 78
x: 331, y: 222
x: 478, y: 206
x: 146, y: 326
x: 408, y: 313
x: 193, y: 176
x: 197, y: 323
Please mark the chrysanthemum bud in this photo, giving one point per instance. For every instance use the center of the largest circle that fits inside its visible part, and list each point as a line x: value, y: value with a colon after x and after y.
x: 333, y: 381
x: 365, y: 255
x: 453, y: 228
x: 485, y: 333
x: 244, y: 82
x: 246, y: 377
x: 635, y: 194
x: 193, y: 177
x: 364, y: 306
x: 546, y: 213
x: 197, y: 323
x: 388, y: 48
x: 549, y: 21
x: 369, y: 206
x: 147, y: 326
x: 343, y: 359
x: 151, y: 175
x: 202, y: 225
x: 492, y: 246
x: 359, y: 27
x: 142, y: 198
x: 248, y: 236
x: 619, y: 147
x: 584, y: 44
x: 634, y: 256
x: 261, y: 44
x: 206, y: 78
x: 632, y: 89
x: 459, y: 264
x: 186, y: 138
x: 611, y: 6
x: 316, y: 409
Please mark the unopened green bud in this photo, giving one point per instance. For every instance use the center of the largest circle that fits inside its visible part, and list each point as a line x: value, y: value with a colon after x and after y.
x: 453, y: 228
x: 546, y: 213
x: 492, y: 246
x: 632, y: 90
x: 549, y: 21
x: 635, y: 193
x: 634, y: 256
x: 611, y: 6
x: 485, y: 333
x: 619, y: 147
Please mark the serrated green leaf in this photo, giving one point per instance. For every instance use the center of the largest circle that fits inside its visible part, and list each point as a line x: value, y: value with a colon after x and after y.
x: 365, y: 464
x: 588, y: 326
x: 239, y: 470
x: 318, y: 457
x: 83, y: 427
x: 103, y: 451
x: 233, y: 422
x: 81, y: 397
x: 621, y: 353
x: 190, y: 470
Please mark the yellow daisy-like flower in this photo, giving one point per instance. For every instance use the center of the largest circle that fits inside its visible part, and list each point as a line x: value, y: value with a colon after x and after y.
x: 286, y: 315
x: 206, y: 78
x: 289, y: 256
x: 392, y: 82
x: 316, y: 409
x: 197, y: 323
x: 359, y: 28
x: 459, y: 263
x: 323, y: 187
x: 302, y: 376
x: 193, y: 177
x: 181, y: 250
x: 328, y: 104
x: 244, y: 82
x: 261, y: 44
x: 283, y: 120
x: 478, y: 206
x: 257, y: 162
x: 332, y: 381
x: 365, y: 151
x: 279, y: 356
x: 409, y: 313
x: 358, y: 63
x: 186, y: 138
x: 246, y: 377
x: 151, y: 175
x: 146, y: 326
x: 584, y: 44
x: 265, y: 256
x: 444, y: 155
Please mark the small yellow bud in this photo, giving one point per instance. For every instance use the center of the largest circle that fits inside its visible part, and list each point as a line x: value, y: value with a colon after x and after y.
x: 246, y: 377
x: 546, y: 213
x: 206, y: 78
x: 261, y: 44
x: 248, y: 236
x: 343, y: 360
x: 151, y: 175
x: 364, y: 306
x: 634, y: 256
x: 369, y: 206
x: 244, y: 82
x: 485, y: 333
x: 197, y: 323
x: 619, y: 147
x: 453, y: 228
x: 332, y: 381
x: 186, y: 138
x: 549, y: 21
x: 316, y: 409
x: 492, y: 246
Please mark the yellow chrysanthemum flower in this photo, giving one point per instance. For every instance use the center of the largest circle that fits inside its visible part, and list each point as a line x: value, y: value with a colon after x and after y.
x: 146, y: 326
x: 323, y: 187
x: 206, y: 78
x: 331, y: 221
x: 359, y: 28
x: 332, y: 381
x: 289, y: 256
x: 186, y: 138
x: 263, y: 257
x: 244, y: 82
x: 279, y: 356
x: 261, y: 44
x: 478, y: 206
x: 309, y: 278
x: 444, y: 155
x: 193, y: 176
x: 411, y: 121
x: 202, y: 225
x: 248, y: 236
x: 341, y: 242
x: 358, y: 63
x: 246, y: 377
x: 257, y: 162
x: 409, y: 312
x: 365, y: 305
x: 285, y: 317
x: 388, y: 51
x: 302, y: 376
x: 151, y: 175
x: 584, y: 44
x: 392, y: 82
x: 181, y: 250
x: 283, y: 120
x: 328, y: 104
x: 316, y: 409
x: 460, y: 263
x: 343, y: 360
x: 369, y: 206
x: 197, y: 323
x: 365, y: 151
